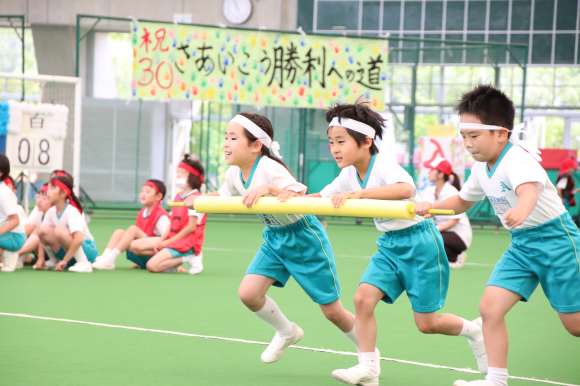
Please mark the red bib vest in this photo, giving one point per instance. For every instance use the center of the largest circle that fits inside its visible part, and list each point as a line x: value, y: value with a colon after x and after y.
x: 147, y: 224
x: 179, y: 220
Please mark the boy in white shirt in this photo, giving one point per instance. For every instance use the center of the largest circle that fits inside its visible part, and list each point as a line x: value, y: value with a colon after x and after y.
x: 544, y: 238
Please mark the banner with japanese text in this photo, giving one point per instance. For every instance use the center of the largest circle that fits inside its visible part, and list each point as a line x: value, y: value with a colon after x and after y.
x: 256, y: 67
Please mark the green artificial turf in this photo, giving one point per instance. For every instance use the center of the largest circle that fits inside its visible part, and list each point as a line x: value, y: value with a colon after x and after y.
x: 58, y: 353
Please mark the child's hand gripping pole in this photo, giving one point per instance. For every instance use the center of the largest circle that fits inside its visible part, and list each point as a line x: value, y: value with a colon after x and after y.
x: 313, y: 206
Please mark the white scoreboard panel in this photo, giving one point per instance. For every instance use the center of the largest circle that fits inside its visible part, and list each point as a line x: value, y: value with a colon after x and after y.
x: 35, y: 146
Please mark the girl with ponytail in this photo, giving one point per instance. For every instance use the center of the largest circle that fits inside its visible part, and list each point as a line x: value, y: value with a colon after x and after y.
x: 64, y: 233
x: 456, y: 230
x: 294, y: 245
x: 11, y: 227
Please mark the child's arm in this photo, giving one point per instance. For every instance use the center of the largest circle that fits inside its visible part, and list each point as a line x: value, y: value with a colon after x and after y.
x: 397, y: 191
x: 12, y: 223
x: 252, y: 197
x: 455, y: 203
x: 527, y: 198
x: 158, y: 246
x: 188, y: 229
x: 75, y: 244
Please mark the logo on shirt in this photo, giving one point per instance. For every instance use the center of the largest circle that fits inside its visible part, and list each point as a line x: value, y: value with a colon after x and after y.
x: 503, y: 186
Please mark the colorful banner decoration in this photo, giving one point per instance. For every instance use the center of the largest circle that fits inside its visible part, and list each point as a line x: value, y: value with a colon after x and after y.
x: 449, y: 147
x: 256, y: 67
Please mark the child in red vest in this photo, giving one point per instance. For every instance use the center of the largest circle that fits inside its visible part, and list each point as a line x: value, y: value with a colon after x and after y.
x: 152, y: 221
x: 182, y: 241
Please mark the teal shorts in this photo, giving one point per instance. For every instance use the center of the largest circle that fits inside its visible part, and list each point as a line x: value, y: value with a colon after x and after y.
x: 300, y: 250
x: 90, y: 249
x: 547, y: 254
x: 412, y: 260
x: 141, y: 261
x: 176, y: 254
x: 12, y: 241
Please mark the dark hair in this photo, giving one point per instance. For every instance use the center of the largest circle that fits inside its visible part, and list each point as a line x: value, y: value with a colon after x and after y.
x: 193, y: 181
x: 456, y: 184
x: 68, y: 181
x: 264, y: 124
x: 4, y: 167
x: 489, y: 105
x: 57, y: 172
x: 361, y: 112
x: 161, y: 186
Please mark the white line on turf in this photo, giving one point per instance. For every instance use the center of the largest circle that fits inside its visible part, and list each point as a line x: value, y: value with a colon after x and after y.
x: 338, y: 255
x: 265, y: 344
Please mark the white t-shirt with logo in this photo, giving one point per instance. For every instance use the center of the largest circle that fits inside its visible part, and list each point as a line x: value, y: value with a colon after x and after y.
x: 382, y: 171
x: 70, y: 218
x: 265, y: 171
x: 513, y: 168
x: 8, y: 207
x: 463, y: 227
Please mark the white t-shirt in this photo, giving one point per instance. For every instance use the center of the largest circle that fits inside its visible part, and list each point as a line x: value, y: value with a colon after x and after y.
x: 35, y: 217
x: 70, y: 218
x: 161, y: 225
x: 22, y: 215
x: 513, y: 168
x: 463, y: 227
x: 382, y: 171
x: 9, y: 207
x: 265, y: 171
x: 562, y: 183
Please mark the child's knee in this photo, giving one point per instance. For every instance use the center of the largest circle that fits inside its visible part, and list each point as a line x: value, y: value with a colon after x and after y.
x: 249, y: 297
x: 362, y: 303
x: 333, y: 314
x: 153, y: 267
x: 61, y: 232
x: 426, y: 326
x: 573, y: 329
x: 43, y: 232
x: 132, y: 229
x: 489, y: 310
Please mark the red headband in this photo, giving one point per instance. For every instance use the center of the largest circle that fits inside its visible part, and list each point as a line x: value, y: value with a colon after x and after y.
x: 58, y: 173
x: 44, y: 188
x: 192, y: 170
x: 9, y: 183
x: 61, y: 185
x: 151, y: 184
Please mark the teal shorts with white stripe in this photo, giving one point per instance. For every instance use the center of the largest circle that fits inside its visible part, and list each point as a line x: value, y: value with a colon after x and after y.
x: 547, y: 254
x: 300, y: 250
x: 413, y: 260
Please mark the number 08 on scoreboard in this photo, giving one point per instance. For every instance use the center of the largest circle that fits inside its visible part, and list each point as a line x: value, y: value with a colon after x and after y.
x: 36, y: 136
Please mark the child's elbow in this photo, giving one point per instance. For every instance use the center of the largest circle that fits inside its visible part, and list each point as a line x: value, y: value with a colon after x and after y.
x: 407, y: 192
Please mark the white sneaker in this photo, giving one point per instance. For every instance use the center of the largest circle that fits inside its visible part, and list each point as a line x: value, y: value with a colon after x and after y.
x: 279, y: 344
x: 82, y: 268
x: 460, y: 261
x: 357, y: 375
x: 102, y: 262
x: 479, y: 351
x: 10, y: 259
x: 479, y: 382
x: 196, y: 266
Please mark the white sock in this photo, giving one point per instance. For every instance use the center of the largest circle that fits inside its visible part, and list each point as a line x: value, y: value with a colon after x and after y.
x: 471, y: 330
x: 351, y: 335
x: 107, y: 251
x: 80, y: 256
x: 369, y: 359
x: 272, y: 315
x: 497, y: 375
x: 49, y: 252
x: 189, y: 259
x: 113, y: 254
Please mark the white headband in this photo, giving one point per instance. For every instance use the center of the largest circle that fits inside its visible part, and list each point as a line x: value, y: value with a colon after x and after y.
x: 360, y: 127
x: 258, y: 133
x: 527, y: 145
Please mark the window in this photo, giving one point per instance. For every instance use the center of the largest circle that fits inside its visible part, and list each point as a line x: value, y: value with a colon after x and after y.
x: 371, y: 15
x: 337, y: 15
x: 391, y: 15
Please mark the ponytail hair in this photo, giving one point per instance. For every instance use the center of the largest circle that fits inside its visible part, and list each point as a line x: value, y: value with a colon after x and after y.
x: 456, y: 184
x: 68, y: 184
x: 264, y: 124
x: 4, y: 167
x: 194, y: 181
